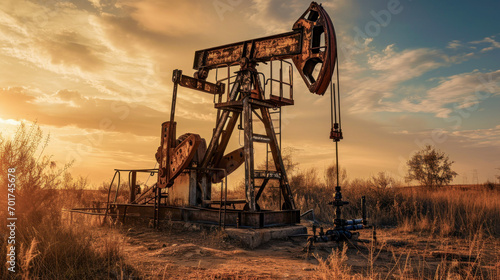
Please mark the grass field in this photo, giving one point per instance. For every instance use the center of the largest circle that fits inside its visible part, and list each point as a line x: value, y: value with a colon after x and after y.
x: 51, y: 246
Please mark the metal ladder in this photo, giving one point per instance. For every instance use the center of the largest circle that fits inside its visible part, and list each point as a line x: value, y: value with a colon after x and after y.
x: 276, y: 120
x: 275, y: 111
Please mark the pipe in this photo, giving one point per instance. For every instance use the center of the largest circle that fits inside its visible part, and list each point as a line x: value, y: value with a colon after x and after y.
x: 354, y: 222
x: 363, y: 209
x: 353, y: 227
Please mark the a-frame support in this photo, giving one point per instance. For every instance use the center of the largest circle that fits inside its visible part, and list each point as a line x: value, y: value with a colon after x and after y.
x: 246, y: 94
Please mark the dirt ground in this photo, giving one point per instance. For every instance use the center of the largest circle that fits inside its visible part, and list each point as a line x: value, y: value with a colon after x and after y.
x: 187, y: 253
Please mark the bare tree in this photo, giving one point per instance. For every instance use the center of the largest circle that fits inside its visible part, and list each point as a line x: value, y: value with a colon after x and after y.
x: 331, y: 175
x: 382, y: 180
x: 430, y: 167
x: 288, y: 161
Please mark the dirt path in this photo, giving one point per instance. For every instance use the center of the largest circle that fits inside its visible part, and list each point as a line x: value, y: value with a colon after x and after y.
x: 199, y: 254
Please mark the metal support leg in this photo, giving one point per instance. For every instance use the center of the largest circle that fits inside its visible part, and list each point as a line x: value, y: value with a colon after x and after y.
x: 133, y: 186
x: 193, y: 181
x: 206, y: 189
x: 156, y: 215
x: 278, y: 160
x: 219, y: 127
x: 249, y: 156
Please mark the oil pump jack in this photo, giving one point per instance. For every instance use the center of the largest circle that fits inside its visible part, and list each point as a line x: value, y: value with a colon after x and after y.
x: 188, y: 167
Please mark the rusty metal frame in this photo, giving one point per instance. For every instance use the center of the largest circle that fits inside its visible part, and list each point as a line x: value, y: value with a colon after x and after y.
x: 302, y: 45
x: 245, y: 95
x: 260, y: 50
x: 118, y: 173
x: 234, y: 218
x: 201, y: 85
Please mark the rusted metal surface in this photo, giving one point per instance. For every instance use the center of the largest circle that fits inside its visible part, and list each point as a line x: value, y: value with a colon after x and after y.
x: 336, y: 134
x: 224, y: 140
x: 261, y: 189
x: 146, y: 196
x: 258, y: 50
x: 316, y: 24
x: 164, y: 151
x: 230, y: 163
x: 201, y: 85
x: 260, y: 138
x: 190, y: 167
x: 312, y: 43
x: 249, y: 155
x: 246, y: 219
x: 266, y: 174
x: 182, y: 155
x: 179, y: 194
x: 280, y: 101
x: 220, y: 126
x: 173, y: 159
x: 289, y: 202
x: 132, y: 185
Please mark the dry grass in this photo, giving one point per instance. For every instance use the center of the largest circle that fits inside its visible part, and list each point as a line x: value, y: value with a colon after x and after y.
x: 412, y: 264
x: 335, y: 266
x: 65, y: 251
x: 446, y: 211
x: 465, y: 214
x: 450, y: 211
x: 53, y: 247
x: 47, y: 246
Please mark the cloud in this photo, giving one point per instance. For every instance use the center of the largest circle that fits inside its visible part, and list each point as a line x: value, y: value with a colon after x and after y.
x: 493, y: 44
x: 275, y: 16
x: 385, y: 73
x: 486, y: 44
x: 172, y: 18
x: 455, y: 92
x: 70, y: 48
x: 69, y: 95
x: 67, y: 108
x: 488, y: 137
x: 380, y: 87
x: 455, y: 44
x: 409, y: 63
x: 125, y: 33
x: 95, y: 3
x: 461, y: 85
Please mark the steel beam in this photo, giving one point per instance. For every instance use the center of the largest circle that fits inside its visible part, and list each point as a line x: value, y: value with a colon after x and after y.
x: 132, y: 184
x: 245, y: 219
x: 201, y: 85
x: 221, y: 148
x: 249, y: 156
x: 278, y: 161
x: 220, y: 125
x: 280, y: 46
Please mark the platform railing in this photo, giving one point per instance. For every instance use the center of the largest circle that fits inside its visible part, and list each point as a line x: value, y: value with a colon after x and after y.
x: 132, y: 181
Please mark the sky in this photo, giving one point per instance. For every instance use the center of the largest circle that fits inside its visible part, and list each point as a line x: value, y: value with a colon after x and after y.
x: 96, y: 76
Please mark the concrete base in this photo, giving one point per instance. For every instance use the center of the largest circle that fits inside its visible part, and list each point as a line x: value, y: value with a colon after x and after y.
x: 252, y: 238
